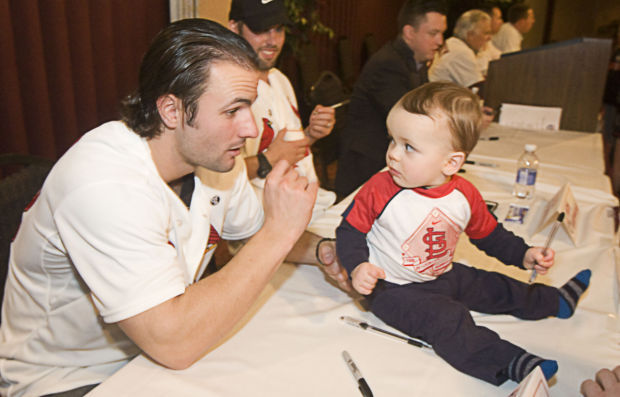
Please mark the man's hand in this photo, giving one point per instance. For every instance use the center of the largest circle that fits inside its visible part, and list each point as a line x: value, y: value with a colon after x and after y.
x: 322, y: 122
x: 291, y: 151
x: 534, y: 259
x: 327, y: 255
x: 288, y: 200
x: 607, y: 384
x: 365, y: 277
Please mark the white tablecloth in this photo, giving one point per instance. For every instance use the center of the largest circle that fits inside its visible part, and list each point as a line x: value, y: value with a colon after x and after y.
x: 290, y: 343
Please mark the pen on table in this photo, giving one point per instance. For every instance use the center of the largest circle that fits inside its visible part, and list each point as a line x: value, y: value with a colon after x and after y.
x: 337, y: 105
x: 554, y: 230
x: 364, y: 325
x: 361, y: 382
x: 488, y: 138
x: 481, y: 163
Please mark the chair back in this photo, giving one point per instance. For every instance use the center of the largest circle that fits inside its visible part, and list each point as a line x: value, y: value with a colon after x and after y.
x: 16, y: 191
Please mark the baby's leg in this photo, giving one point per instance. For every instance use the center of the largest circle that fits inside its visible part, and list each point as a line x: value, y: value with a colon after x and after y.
x: 448, y: 326
x: 496, y: 293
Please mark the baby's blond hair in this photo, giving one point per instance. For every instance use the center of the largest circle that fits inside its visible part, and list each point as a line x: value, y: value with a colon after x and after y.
x: 459, y: 106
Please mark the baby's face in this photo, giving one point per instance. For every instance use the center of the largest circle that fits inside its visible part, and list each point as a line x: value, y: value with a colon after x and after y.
x: 419, y: 149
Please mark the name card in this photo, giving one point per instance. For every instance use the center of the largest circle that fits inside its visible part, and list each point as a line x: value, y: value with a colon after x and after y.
x: 534, y: 385
x: 530, y: 117
x: 563, y: 201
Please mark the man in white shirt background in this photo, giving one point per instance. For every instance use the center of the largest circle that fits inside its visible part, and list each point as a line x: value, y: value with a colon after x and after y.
x: 459, y: 63
x: 510, y: 35
x: 489, y: 52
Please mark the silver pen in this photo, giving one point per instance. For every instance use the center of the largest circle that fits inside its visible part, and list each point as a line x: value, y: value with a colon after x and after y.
x: 481, y: 163
x: 554, y: 229
x: 337, y: 105
x: 361, y: 382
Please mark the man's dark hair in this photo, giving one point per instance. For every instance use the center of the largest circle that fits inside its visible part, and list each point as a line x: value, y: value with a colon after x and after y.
x: 413, y: 12
x: 178, y: 63
x: 516, y: 12
x: 488, y: 7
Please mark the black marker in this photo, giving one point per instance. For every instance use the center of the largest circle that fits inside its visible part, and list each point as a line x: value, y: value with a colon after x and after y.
x: 363, y: 385
x: 365, y: 326
x: 489, y: 138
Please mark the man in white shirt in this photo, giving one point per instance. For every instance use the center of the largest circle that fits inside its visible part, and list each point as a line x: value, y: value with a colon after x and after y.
x: 458, y: 63
x: 489, y: 52
x: 510, y: 35
x: 108, y: 261
x: 281, y: 134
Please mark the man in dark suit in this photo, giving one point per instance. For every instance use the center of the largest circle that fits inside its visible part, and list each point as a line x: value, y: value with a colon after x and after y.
x: 398, y: 67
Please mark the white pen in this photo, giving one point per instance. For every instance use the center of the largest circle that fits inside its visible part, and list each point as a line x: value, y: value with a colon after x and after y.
x: 481, y: 163
x: 337, y: 105
x: 361, y: 382
x: 554, y: 230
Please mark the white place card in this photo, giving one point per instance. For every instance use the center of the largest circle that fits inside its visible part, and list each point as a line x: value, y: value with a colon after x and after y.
x: 530, y: 117
x: 534, y: 385
x: 563, y: 201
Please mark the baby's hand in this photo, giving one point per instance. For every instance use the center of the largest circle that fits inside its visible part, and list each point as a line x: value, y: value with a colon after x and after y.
x: 534, y: 259
x: 365, y: 277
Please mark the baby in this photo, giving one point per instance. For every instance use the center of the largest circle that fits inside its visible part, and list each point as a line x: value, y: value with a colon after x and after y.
x: 397, y: 241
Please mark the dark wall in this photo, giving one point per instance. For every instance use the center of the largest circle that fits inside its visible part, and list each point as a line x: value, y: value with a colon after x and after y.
x: 66, y: 65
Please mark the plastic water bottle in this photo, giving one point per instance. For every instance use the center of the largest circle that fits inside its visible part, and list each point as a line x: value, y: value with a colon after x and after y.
x: 527, y: 168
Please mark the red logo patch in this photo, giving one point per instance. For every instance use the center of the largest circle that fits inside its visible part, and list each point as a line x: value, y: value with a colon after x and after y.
x: 214, y: 238
x: 267, y: 137
x: 430, y: 248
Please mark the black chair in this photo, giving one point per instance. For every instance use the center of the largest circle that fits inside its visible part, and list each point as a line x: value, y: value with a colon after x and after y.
x: 345, y: 58
x: 309, y: 71
x: 16, y: 191
x: 369, y: 47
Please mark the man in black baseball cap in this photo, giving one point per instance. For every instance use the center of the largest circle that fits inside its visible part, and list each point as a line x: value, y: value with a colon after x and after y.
x: 259, y: 15
x: 262, y: 24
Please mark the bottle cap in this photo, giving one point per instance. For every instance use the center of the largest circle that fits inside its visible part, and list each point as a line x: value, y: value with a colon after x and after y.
x: 530, y: 147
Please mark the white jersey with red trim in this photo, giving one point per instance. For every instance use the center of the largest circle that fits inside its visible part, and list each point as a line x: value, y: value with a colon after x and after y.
x: 106, y: 239
x: 276, y: 108
x: 412, y: 233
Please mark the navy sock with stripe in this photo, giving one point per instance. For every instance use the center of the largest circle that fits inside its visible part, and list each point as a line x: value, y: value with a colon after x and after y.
x: 523, y: 364
x: 571, y: 292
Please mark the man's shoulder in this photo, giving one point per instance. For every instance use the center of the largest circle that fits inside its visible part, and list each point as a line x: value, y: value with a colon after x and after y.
x: 392, y: 54
x: 507, y: 30
x: 454, y: 44
x: 280, y: 83
x: 277, y: 77
x: 110, y: 153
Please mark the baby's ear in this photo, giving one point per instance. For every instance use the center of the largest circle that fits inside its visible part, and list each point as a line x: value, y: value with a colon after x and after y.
x: 453, y: 163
